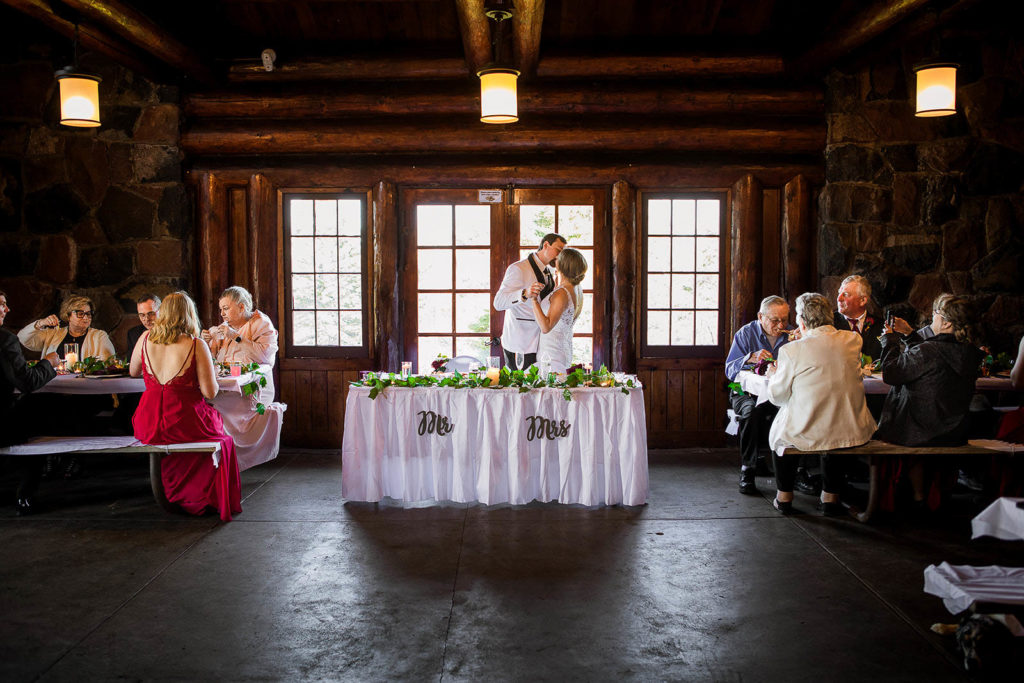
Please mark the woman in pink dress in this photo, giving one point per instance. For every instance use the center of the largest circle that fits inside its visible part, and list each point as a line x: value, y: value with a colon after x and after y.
x: 179, y: 374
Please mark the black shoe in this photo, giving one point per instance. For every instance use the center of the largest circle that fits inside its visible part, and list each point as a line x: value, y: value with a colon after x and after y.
x: 832, y: 509
x: 784, y: 508
x: 807, y: 484
x: 748, y: 486
x: 73, y: 468
x: 25, y: 506
x: 50, y: 466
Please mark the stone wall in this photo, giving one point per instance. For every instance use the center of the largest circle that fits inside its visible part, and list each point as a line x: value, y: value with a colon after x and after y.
x: 926, y: 205
x: 101, y: 212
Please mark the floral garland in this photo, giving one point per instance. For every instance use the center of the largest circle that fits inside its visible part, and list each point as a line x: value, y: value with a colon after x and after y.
x: 251, y: 387
x: 524, y: 380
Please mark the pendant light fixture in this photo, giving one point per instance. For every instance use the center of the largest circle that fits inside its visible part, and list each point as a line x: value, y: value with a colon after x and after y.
x: 79, y: 95
x: 498, y: 82
x: 936, y: 88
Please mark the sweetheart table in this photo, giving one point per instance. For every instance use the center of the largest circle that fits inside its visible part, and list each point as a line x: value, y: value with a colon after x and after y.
x: 492, y: 445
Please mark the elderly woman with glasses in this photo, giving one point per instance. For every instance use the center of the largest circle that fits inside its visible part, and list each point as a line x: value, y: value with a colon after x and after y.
x: 47, y: 336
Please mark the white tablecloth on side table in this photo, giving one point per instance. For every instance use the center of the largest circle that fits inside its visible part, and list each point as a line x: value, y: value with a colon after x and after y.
x: 597, y: 456
x: 1002, y: 519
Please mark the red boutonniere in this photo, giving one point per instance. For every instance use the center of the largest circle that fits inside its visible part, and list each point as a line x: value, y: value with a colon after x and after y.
x: 868, y: 321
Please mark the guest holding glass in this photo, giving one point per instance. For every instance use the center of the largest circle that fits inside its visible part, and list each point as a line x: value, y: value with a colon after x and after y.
x: 17, y: 416
x: 247, y: 336
x: 818, y: 387
x: 179, y: 373
x: 47, y: 336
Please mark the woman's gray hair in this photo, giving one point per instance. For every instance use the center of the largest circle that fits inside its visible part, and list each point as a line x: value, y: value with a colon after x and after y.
x: 814, y: 309
x: 240, y: 295
x: 770, y: 301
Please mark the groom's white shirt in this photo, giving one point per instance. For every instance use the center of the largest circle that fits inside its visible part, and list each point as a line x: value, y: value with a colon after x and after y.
x: 520, y: 332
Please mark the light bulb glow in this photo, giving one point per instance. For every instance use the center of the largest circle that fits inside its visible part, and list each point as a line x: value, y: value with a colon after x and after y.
x: 498, y: 96
x: 79, y: 100
x: 936, y: 90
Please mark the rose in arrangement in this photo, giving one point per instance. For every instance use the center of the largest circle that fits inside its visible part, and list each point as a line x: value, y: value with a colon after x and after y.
x: 440, y: 363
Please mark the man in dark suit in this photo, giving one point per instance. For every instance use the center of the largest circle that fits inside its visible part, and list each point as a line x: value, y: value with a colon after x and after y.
x: 147, y: 306
x: 852, y: 302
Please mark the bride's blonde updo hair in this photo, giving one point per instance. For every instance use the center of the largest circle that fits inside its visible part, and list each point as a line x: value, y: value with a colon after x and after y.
x: 177, y: 316
x: 572, y: 265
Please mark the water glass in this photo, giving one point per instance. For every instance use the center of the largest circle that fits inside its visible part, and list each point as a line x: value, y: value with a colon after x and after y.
x: 406, y: 369
x: 70, y: 356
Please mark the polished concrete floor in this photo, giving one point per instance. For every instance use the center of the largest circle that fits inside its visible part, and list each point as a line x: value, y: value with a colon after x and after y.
x: 701, y: 584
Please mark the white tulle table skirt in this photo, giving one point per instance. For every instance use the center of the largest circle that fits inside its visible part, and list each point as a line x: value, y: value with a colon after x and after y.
x: 496, y: 446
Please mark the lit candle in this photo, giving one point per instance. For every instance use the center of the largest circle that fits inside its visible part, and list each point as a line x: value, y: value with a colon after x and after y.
x: 236, y: 370
x: 492, y: 374
x: 71, y: 358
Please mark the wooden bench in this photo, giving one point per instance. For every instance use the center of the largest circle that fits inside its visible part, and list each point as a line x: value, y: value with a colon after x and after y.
x: 874, y: 450
x: 95, y: 445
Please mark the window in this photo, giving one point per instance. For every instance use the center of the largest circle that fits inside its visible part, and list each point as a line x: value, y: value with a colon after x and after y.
x: 325, y: 283
x: 683, y: 286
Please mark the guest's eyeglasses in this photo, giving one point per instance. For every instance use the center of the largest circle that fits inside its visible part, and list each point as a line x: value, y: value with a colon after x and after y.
x: 83, y: 314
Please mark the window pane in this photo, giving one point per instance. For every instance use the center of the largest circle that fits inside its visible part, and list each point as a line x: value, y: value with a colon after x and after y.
x: 585, y: 323
x: 326, y: 216
x: 351, y: 323
x: 707, y: 291
x: 682, y: 254
x: 582, y: 350
x: 534, y: 223
x: 473, y: 269
x: 588, y: 279
x: 350, y: 292
x: 435, y: 268
x: 657, y: 328
x: 349, y: 256
x: 326, y: 255
x: 478, y: 347
x: 683, y: 217
x: 682, y: 291
x: 523, y: 253
x: 302, y: 255
x: 304, y: 328
x: 682, y: 328
x: 707, y: 254
x: 473, y: 225
x: 473, y: 313
x: 303, y: 292
x: 327, y: 328
x: 658, y: 291
x: 301, y: 217
x: 433, y: 225
x: 435, y: 312
x: 707, y: 328
x: 708, y: 217
x: 326, y: 292
x: 659, y: 217
x: 429, y: 348
x: 350, y: 217
x: 577, y: 224
x: 659, y: 254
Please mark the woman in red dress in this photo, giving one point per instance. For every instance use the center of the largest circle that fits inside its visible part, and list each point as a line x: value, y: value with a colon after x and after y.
x: 179, y: 374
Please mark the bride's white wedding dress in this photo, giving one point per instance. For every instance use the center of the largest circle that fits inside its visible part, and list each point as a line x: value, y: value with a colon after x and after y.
x: 556, y: 345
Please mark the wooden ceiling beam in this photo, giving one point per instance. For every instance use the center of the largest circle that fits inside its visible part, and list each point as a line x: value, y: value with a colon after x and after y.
x: 351, y: 69
x: 527, y: 21
x: 476, y: 33
x: 871, y: 22
x: 90, y: 37
x: 144, y: 33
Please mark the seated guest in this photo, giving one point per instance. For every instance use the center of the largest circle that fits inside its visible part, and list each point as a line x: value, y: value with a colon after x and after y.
x: 1012, y: 426
x: 852, y: 314
x: 247, y: 336
x: 902, y: 327
x: 16, y: 415
x: 757, y: 340
x: 147, y: 306
x: 47, y: 336
x: 932, y: 385
x: 1017, y: 373
x: 818, y: 387
x: 179, y: 373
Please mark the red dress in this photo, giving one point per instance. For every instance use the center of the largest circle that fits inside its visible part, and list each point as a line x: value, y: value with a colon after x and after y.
x: 176, y: 412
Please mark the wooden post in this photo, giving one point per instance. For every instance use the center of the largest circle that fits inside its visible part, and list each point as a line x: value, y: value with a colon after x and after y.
x: 746, y: 251
x: 527, y: 22
x: 476, y: 33
x: 262, y: 243
x: 624, y: 273
x: 211, y: 205
x: 796, y: 247
x: 385, y: 318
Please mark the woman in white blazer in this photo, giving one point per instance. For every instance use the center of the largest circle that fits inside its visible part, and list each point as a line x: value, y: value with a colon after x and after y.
x: 818, y: 387
x: 47, y: 336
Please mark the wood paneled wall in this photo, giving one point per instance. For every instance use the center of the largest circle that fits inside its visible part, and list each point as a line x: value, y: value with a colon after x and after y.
x: 685, y: 399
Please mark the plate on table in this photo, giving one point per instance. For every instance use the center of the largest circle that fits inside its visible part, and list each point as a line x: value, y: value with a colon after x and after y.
x: 119, y: 374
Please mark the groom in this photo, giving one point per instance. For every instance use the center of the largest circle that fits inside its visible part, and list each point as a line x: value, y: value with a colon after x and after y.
x: 533, y: 275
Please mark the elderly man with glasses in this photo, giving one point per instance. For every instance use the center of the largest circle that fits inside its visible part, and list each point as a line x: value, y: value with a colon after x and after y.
x: 47, y: 336
x: 757, y: 340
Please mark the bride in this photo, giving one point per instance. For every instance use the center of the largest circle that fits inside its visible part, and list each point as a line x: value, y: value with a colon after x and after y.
x: 563, y: 310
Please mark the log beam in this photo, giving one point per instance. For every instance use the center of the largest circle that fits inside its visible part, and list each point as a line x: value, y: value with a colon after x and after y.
x: 869, y: 23
x: 144, y: 33
x: 212, y: 243
x: 435, y: 136
x: 476, y: 33
x: 797, y: 238
x: 527, y: 21
x: 386, y: 294
x: 624, y: 246
x: 747, y: 198
x: 351, y: 69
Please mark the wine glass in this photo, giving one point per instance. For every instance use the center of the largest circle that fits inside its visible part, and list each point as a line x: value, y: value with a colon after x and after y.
x: 520, y: 359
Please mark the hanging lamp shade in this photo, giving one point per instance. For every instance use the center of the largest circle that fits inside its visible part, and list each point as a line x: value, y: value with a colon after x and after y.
x: 498, y: 97
x: 936, y: 89
x: 79, y: 99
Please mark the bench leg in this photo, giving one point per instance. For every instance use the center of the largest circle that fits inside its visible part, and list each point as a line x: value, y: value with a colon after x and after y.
x: 157, y: 482
x: 874, y: 492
